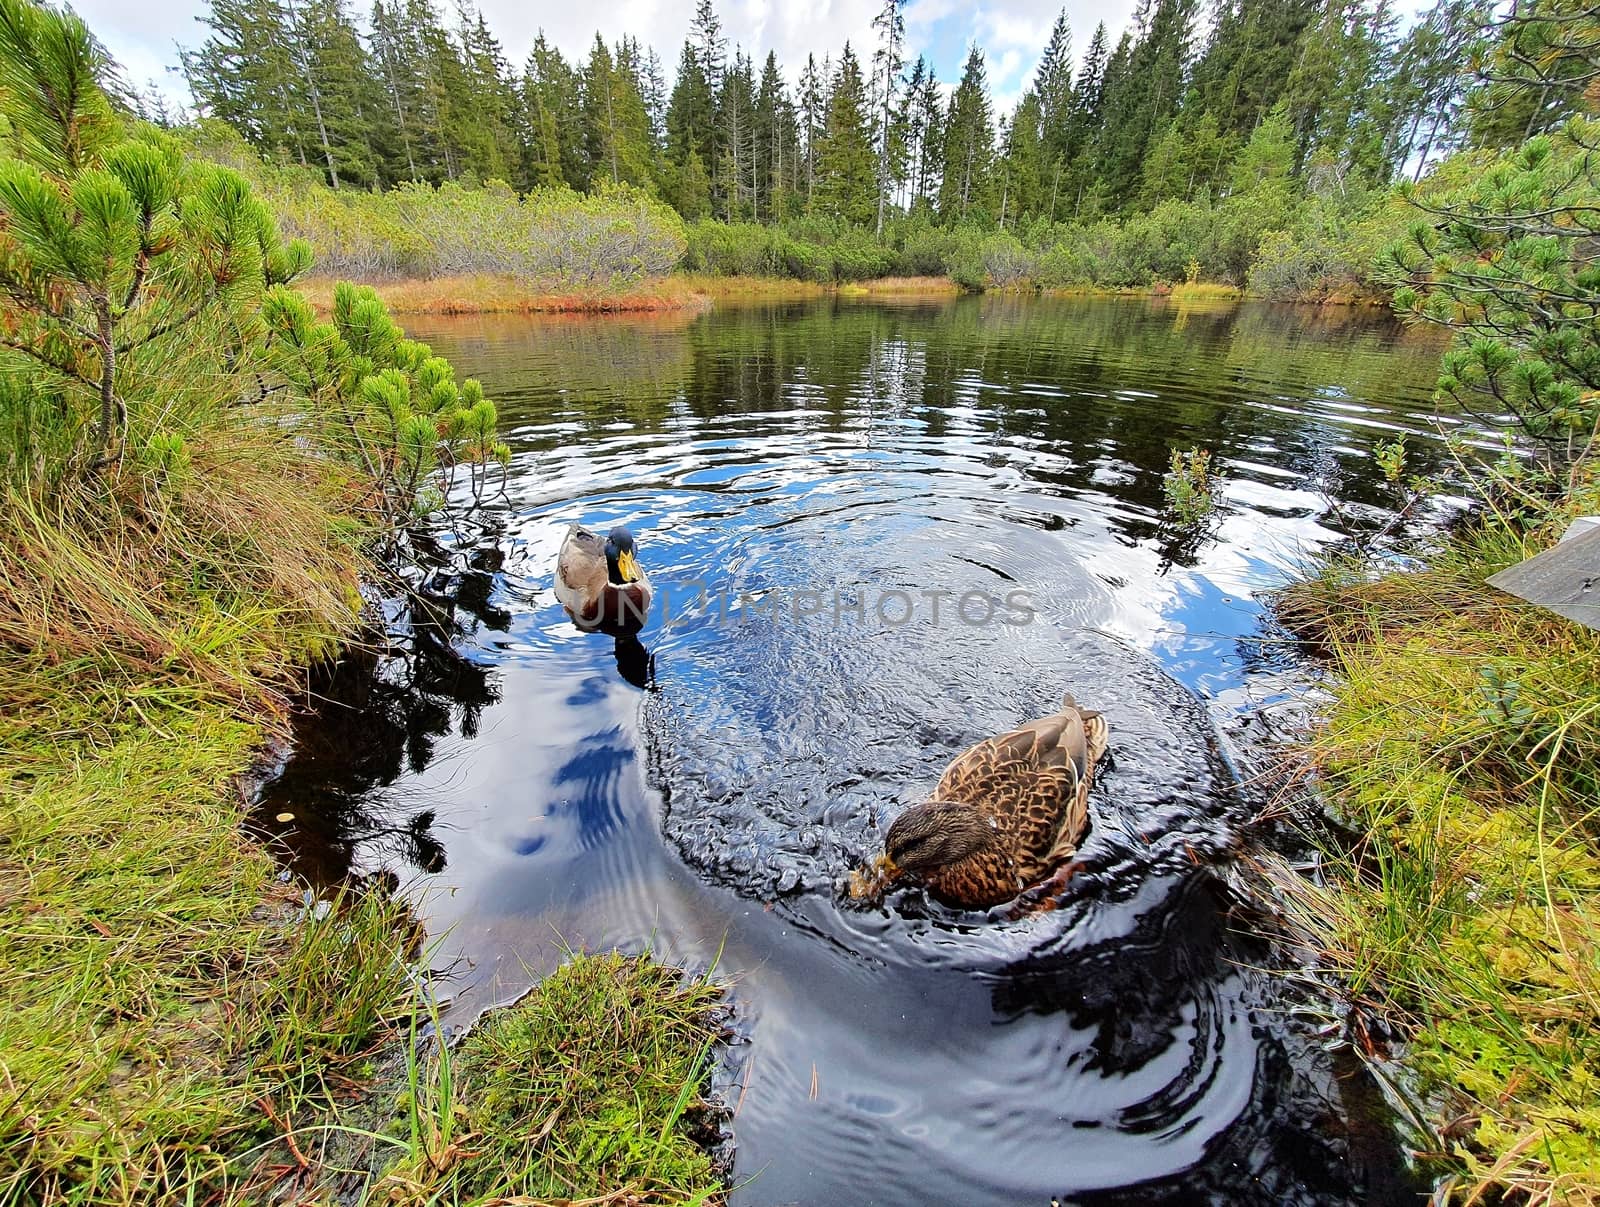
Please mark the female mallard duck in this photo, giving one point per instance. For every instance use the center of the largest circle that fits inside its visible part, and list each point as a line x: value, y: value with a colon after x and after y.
x: 600, y: 583
x: 1004, y: 813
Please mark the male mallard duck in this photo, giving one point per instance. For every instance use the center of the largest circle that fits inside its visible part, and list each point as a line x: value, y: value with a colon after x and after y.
x: 1004, y: 813
x: 600, y: 583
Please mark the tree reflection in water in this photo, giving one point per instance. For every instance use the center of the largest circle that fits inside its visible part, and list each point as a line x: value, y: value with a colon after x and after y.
x: 374, y: 719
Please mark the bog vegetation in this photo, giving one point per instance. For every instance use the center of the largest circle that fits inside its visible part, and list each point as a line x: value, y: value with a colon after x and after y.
x: 196, y: 469
x: 1255, y: 144
x: 195, y: 474
x: 1463, y: 742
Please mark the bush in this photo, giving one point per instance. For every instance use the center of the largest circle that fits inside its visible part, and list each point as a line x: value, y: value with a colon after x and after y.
x: 1006, y: 263
x: 614, y: 236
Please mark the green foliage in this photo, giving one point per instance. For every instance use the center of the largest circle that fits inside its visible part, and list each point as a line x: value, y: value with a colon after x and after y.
x: 1190, y: 486
x: 114, y: 251
x: 1328, y: 97
x: 810, y: 249
x: 555, y: 237
x: 587, y: 1087
x: 386, y: 404
x: 1512, y: 265
x: 845, y: 172
x: 1462, y: 743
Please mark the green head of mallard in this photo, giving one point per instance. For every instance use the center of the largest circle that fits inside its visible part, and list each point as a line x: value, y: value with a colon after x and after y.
x: 622, y: 566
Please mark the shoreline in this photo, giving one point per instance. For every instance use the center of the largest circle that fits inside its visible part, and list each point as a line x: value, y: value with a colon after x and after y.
x: 1456, y: 752
x: 484, y: 293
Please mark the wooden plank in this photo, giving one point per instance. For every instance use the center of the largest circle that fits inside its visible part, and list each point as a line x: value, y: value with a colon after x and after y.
x: 1565, y: 579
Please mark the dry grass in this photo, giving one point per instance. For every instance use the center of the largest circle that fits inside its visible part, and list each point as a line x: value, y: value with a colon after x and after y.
x: 487, y: 294
x: 760, y: 289
x: 1201, y: 291
x: 918, y: 285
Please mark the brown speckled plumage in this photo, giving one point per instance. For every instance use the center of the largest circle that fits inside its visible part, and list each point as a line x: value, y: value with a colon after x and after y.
x: 1005, y: 813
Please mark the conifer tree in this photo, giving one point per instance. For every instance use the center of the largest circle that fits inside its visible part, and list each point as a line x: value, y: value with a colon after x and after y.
x: 968, y: 143
x: 617, y: 136
x: 1022, y: 163
x: 1142, y: 96
x: 243, y: 74
x: 552, y: 109
x: 846, y: 176
x: 813, y: 113
x: 391, y: 56
x: 887, y: 62
x: 1052, y: 86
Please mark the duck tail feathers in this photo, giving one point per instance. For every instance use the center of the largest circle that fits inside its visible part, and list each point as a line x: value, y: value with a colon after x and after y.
x: 1069, y: 703
x: 1096, y: 734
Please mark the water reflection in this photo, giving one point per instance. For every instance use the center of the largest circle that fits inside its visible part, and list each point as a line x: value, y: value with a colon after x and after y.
x: 635, y: 664
x: 908, y: 1053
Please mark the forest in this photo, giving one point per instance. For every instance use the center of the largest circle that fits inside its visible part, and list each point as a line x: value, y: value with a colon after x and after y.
x: 1256, y: 141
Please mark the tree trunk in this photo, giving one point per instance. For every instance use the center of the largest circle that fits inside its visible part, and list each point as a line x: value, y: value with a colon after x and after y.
x: 316, y: 97
x: 400, y: 113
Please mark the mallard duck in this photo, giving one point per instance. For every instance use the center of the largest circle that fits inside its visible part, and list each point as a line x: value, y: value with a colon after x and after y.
x: 600, y: 583
x: 1005, y: 813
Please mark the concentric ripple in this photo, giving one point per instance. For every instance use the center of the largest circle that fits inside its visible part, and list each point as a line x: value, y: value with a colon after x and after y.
x: 879, y: 533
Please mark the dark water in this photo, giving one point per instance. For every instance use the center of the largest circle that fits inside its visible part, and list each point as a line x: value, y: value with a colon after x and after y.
x: 807, y: 484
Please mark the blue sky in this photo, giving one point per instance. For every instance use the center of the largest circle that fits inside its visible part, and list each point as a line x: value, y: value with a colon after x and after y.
x: 144, y: 36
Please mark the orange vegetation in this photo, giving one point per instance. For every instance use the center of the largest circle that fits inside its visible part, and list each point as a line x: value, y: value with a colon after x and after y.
x: 486, y: 294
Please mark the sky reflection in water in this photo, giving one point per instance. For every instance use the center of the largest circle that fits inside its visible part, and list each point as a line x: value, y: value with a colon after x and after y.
x: 513, y: 773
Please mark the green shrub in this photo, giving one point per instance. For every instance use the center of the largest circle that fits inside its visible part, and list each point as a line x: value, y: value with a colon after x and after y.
x: 615, y: 235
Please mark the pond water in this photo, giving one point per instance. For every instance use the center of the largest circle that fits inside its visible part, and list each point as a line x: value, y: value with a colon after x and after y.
x: 878, y: 532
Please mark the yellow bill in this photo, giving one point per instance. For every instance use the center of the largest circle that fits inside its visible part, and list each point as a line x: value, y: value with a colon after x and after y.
x: 628, y: 567
x: 871, y: 882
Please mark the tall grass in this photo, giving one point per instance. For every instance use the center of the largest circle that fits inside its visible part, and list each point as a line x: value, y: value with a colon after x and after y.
x: 1463, y: 747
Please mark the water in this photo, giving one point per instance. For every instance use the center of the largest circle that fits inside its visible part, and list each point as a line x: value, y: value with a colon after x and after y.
x: 799, y: 479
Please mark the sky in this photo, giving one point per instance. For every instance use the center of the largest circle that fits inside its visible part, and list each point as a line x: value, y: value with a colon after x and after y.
x: 145, y: 36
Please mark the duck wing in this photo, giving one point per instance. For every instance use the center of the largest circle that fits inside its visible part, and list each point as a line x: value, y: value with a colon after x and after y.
x: 1033, y: 781
x: 581, y: 573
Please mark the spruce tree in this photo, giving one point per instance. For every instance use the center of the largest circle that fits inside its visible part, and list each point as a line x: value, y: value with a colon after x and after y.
x: 968, y: 144
x: 1022, y: 184
x: 690, y: 121
x: 846, y: 176
x: 553, y: 116
x: 813, y: 113
x: 887, y: 62
x: 1052, y: 87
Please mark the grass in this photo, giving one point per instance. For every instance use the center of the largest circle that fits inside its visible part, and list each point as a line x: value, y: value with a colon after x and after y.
x: 484, y: 293
x: 489, y: 294
x: 910, y: 285
x: 1463, y: 747
x: 166, y: 998
x: 170, y: 1011
x: 587, y: 1089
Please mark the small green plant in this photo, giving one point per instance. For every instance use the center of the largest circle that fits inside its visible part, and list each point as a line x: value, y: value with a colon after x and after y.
x: 586, y: 1085
x: 1190, y: 486
x: 1391, y: 458
x: 383, y: 402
